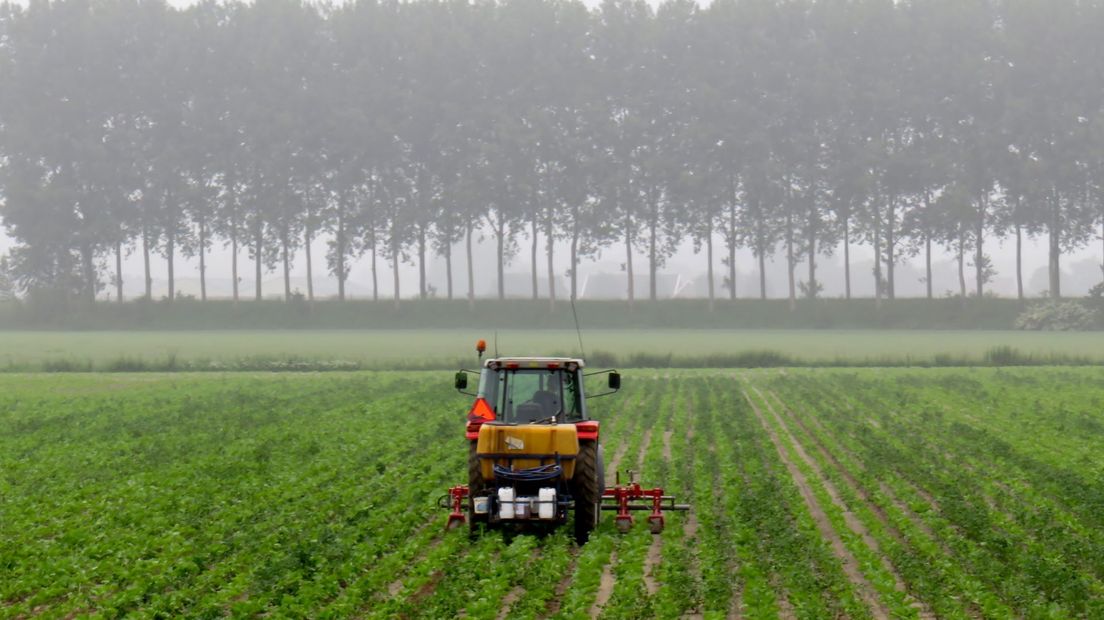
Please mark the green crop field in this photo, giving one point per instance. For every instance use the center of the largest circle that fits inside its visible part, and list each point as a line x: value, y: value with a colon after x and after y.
x: 875, y: 493
x: 439, y: 348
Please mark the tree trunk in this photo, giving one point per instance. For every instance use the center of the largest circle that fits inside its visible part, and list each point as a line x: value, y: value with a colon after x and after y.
x: 927, y: 244
x: 471, y: 267
x: 891, y: 243
x: 119, y: 271
x: 258, y: 259
x: 979, y: 249
x: 65, y: 271
x: 500, y: 237
x: 146, y: 263
x: 234, y: 261
x: 395, y: 270
x: 285, y: 254
x: 927, y: 262
x: 961, y: 262
x: 533, y: 257
x: 550, y: 244
x: 877, y: 257
x: 709, y: 261
x: 653, y: 223
x: 170, y: 258
x: 628, y: 260
x: 89, y: 269
x: 307, y: 238
x: 761, y: 249
x: 847, y: 256
x: 232, y: 206
x: 375, y: 263
x: 448, y: 266
x: 731, y: 241
x: 1019, y: 262
x: 423, y: 203
x: 422, y: 290
x: 574, y: 253
x: 202, y: 259
x: 340, y: 241
x: 762, y: 272
x: 1055, y: 246
x: 812, y: 261
x: 791, y: 260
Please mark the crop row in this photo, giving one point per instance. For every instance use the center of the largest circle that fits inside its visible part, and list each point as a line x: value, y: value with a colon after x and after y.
x: 976, y: 529
x: 860, y: 494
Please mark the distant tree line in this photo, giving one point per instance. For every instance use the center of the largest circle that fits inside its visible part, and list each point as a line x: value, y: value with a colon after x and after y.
x: 400, y: 130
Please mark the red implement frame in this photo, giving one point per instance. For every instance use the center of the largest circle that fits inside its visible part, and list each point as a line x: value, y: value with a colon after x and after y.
x: 456, y: 497
x: 627, y: 498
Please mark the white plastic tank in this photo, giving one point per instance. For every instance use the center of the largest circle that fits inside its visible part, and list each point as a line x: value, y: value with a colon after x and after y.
x: 506, y: 503
x: 547, y: 503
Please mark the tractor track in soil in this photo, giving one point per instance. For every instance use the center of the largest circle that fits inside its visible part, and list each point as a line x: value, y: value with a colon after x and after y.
x: 396, y: 586
x: 508, y: 601
x: 556, y: 601
x: 430, y: 586
x: 552, y: 607
x: 606, y: 584
x: 850, y: 564
x: 690, y: 525
x: 850, y: 518
x: 517, y: 591
x: 654, y: 554
x: 736, y: 604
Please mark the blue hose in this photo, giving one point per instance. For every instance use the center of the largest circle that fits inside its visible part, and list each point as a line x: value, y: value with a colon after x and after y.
x: 533, y: 474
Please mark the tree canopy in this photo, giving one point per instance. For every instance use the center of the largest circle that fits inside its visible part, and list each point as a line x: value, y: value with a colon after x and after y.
x: 400, y: 130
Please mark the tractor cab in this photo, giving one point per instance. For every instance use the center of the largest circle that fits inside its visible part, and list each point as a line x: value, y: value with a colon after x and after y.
x: 531, y: 390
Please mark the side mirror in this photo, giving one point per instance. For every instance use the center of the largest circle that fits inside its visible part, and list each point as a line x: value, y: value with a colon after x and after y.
x: 461, y: 380
x: 615, y: 381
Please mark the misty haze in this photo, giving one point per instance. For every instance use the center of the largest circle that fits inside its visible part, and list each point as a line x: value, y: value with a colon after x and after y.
x: 557, y: 309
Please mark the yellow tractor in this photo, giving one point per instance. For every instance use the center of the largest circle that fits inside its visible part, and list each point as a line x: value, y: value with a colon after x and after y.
x: 534, y: 454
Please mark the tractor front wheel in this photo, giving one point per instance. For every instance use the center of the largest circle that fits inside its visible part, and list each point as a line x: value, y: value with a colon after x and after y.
x: 587, y: 489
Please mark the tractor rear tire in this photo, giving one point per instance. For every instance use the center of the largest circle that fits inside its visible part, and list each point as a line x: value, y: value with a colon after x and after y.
x: 476, y: 486
x: 587, y: 489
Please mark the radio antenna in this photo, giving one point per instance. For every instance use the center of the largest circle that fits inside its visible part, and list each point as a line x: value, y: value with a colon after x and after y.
x: 496, y: 342
x: 578, y: 332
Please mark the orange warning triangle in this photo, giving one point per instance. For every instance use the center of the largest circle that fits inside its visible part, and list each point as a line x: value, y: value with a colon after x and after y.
x: 481, y: 410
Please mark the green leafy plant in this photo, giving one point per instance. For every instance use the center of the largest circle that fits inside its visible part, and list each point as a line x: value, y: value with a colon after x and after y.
x: 1055, y: 315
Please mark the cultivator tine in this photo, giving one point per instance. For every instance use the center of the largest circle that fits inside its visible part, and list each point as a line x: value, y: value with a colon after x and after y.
x: 626, y: 499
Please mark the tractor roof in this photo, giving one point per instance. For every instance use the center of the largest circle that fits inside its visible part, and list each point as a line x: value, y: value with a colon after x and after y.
x: 535, y: 362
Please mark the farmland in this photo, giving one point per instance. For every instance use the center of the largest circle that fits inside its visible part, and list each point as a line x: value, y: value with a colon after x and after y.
x: 444, y: 348
x: 874, y: 493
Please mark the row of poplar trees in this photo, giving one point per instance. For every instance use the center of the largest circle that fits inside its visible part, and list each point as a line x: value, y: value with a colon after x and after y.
x: 401, y: 131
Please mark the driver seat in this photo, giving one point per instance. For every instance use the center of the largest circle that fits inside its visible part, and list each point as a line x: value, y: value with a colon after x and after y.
x: 547, y: 402
x: 529, y: 412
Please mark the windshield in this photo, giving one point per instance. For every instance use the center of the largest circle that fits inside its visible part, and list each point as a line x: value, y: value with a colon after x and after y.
x: 531, y: 395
